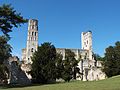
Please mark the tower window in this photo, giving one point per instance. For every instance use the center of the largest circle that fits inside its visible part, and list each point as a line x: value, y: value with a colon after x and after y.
x: 32, y: 33
x: 35, y: 33
x: 32, y: 50
x: 32, y: 27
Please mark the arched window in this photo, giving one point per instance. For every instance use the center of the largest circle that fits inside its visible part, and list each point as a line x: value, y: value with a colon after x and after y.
x: 32, y: 33
x: 32, y: 50
x: 87, y: 41
x: 35, y: 33
x: 32, y: 27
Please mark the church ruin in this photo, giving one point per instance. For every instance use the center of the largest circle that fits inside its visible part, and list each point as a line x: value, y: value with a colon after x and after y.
x: 86, y: 65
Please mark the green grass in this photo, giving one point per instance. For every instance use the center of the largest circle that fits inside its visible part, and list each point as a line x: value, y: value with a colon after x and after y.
x: 108, y: 84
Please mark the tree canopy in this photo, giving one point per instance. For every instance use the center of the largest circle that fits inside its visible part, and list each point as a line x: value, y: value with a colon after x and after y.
x: 5, y: 49
x: 112, y: 60
x: 43, y: 66
x: 9, y: 18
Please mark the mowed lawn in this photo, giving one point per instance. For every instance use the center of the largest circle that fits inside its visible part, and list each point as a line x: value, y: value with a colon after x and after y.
x: 108, y: 84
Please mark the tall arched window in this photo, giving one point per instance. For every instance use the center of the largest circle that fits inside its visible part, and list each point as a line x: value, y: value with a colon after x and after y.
x: 32, y: 26
x: 35, y: 33
x: 32, y: 50
x: 32, y: 33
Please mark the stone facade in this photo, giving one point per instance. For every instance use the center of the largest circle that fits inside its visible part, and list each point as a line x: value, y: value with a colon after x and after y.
x: 78, y: 52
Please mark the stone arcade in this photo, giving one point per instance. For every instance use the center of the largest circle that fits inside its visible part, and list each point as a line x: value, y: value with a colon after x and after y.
x: 86, y: 65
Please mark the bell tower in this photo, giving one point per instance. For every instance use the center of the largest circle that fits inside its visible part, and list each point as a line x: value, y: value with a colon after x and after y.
x: 32, y: 39
x: 86, y: 38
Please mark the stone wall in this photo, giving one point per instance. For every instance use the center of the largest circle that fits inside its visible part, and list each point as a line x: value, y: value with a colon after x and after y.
x: 90, y: 71
x: 16, y: 75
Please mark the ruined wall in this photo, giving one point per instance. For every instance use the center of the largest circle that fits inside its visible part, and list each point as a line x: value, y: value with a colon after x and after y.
x: 16, y: 75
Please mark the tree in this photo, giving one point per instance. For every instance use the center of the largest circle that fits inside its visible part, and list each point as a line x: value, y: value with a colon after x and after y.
x: 43, y: 66
x: 5, y: 49
x: 97, y: 57
x: 9, y: 18
x: 70, y: 66
x: 3, y: 74
x: 112, y: 60
x: 59, y: 65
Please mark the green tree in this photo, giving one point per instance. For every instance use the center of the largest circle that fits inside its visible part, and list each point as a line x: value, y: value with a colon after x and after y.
x: 70, y: 66
x: 5, y: 49
x: 112, y: 60
x: 59, y: 65
x: 97, y: 57
x: 9, y: 18
x: 43, y: 66
x: 3, y: 74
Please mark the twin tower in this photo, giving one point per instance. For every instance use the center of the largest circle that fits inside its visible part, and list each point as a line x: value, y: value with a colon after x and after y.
x: 32, y: 42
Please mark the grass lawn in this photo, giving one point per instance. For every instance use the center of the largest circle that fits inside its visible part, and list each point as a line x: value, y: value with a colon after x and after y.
x: 108, y: 84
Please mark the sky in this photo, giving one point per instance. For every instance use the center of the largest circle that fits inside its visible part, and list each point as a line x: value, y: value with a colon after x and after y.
x: 62, y: 21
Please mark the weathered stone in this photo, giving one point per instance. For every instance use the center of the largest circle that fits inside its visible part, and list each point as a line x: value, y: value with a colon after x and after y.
x: 87, y: 64
x: 16, y: 75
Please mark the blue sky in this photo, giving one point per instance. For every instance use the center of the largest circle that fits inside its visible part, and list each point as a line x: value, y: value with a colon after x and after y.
x: 62, y: 21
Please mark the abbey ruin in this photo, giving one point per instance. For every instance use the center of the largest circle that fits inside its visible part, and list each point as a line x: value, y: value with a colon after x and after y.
x: 87, y: 64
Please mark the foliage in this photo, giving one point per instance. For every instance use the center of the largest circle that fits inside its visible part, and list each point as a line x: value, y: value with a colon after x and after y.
x: 49, y: 65
x: 112, y: 60
x: 97, y: 57
x: 59, y: 65
x: 5, y: 49
x: 70, y: 66
x: 9, y: 18
x: 43, y: 67
x: 3, y: 74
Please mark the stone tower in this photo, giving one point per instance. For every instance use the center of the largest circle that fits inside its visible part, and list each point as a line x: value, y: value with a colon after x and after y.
x: 86, y: 38
x: 32, y: 39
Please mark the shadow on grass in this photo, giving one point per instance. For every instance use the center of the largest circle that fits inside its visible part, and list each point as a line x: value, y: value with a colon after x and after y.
x: 24, y: 86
